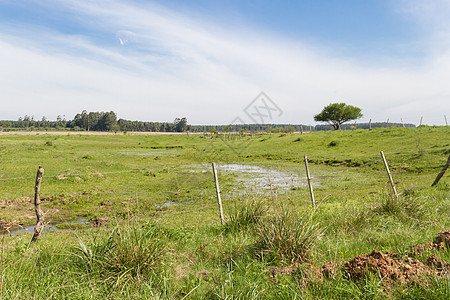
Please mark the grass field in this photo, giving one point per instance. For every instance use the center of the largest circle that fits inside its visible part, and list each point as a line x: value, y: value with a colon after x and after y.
x: 164, y: 238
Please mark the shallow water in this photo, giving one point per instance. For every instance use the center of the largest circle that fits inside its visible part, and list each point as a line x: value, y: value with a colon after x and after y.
x: 258, y: 179
x: 168, y: 204
x: 47, y: 228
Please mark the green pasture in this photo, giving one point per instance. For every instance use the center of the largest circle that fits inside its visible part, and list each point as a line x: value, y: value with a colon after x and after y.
x: 164, y: 238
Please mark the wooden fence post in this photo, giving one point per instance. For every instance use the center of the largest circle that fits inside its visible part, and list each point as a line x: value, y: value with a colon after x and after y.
x: 311, y: 192
x: 442, y: 172
x: 370, y: 124
x: 301, y: 129
x: 446, y: 123
x: 216, y: 179
x: 421, y: 118
x: 389, y: 174
x: 37, y: 206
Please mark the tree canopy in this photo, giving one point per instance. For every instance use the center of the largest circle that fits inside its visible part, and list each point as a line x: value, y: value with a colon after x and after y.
x: 338, y: 113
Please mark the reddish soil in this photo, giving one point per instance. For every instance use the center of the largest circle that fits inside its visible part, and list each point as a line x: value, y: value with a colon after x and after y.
x: 437, y: 264
x: 444, y: 237
x: 421, y: 249
x: 393, y: 267
x: 389, y: 266
x: 329, y: 270
x: 441, y: 242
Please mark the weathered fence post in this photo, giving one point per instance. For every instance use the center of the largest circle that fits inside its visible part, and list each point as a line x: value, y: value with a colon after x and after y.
x: 216, y: 179
x: 370, y: 124
x: 37, y: 206
x: 389, y: 175
x: 301, y: 129
x: 446, y: 123
x: 309, y: 182
x: 421, y: 118
x: 442, y: 172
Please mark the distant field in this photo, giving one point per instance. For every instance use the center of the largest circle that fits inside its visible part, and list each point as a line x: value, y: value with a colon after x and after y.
x: 161, y: 189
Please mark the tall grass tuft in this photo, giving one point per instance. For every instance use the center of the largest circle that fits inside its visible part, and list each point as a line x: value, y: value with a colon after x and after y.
x: 129, y: 253
x: 287, y: 236
x: 245, y: 216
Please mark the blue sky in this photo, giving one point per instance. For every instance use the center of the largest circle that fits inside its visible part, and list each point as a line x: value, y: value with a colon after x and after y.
x: 207, y: 60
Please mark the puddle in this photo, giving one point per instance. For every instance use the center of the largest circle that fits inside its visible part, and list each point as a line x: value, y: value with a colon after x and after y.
x: 30, y: 229
x: 168, y: 204
x: 258, y: 179
x: 47, y: 228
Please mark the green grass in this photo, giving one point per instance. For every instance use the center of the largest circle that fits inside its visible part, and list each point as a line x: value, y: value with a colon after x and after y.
x: 287, y: 236
x: 164, y: 239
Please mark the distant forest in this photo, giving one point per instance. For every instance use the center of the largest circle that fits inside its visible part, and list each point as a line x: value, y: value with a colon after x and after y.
x: 107, y: 121
x: 93, y: 121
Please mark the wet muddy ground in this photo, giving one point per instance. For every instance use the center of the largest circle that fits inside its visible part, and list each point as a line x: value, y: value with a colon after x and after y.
x: 257, y: 179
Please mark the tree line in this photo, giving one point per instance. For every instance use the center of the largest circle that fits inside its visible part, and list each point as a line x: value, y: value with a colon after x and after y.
x: 289, y: 128
x: 107, y: 121
x: 93, y: 121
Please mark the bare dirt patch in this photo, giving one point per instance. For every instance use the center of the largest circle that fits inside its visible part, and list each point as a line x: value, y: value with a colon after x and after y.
x: 329, y: 270
x: 395, y: 268
x: 441, y: 242
x: 444, y: 237
x: 389, y: 266
x: 437, y: 264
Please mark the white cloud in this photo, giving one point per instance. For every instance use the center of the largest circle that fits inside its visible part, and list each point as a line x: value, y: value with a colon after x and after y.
x: 174, y: 66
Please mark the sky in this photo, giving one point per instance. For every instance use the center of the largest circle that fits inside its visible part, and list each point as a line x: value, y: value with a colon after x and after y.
x: 210, y: 60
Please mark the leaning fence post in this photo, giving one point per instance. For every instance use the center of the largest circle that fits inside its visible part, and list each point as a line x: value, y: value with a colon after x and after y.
x: 389, y: 174
x: 37, y: 206
x: 216, y: 179
x: 439, y: 176
x: 309, y: 182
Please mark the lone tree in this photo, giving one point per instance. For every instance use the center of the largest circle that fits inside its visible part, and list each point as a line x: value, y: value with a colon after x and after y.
x: 338, y: 113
